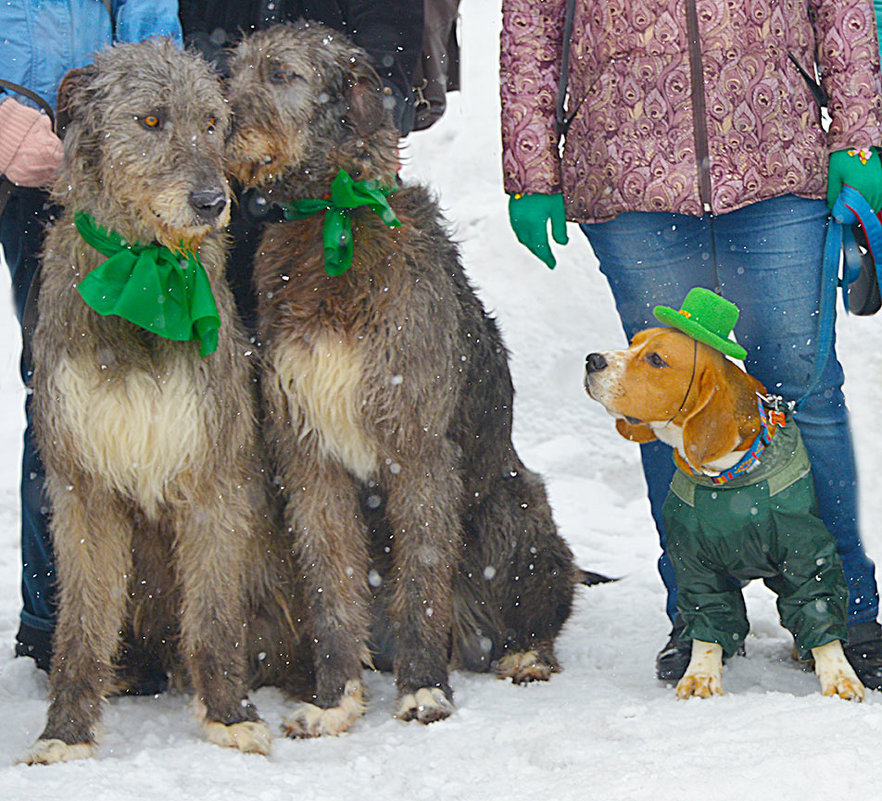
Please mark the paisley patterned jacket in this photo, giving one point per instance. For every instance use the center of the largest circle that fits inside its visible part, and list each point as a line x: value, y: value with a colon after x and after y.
x: 661, y: 125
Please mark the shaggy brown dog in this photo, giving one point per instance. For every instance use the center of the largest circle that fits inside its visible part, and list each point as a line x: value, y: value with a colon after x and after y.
x: 158, y: 504
x: 388, y: 402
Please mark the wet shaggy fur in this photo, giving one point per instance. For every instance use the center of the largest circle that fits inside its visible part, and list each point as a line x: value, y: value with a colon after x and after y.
x: 163, y: 544
x: 422, y: 539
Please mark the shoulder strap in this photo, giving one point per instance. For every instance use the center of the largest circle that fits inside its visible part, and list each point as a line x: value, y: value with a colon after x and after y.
x: 562, y: 122
x: 20, y: 90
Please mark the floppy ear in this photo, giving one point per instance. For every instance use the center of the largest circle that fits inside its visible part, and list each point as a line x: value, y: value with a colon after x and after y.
x: 76, y: 125
x: 639, y: 432
x: 367, y: 100
x: 72, y: 95
x: 710, y: 429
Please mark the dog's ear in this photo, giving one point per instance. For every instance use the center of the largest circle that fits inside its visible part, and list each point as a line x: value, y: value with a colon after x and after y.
x: 710, y: 429
x: 367, y: 100
x: 635, y: 432
x: 72, y: 96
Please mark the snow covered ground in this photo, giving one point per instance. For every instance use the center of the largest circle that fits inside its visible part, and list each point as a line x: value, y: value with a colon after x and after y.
x: 603, y: 728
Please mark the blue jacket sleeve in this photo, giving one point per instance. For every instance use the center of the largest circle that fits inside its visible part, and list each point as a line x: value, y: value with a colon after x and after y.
x: 135, y: 20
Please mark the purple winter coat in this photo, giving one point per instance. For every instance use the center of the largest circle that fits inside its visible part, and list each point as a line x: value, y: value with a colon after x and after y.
x: 644, y: 125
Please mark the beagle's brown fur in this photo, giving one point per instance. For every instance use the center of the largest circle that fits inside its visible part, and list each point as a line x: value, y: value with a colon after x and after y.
x: 668, y: 386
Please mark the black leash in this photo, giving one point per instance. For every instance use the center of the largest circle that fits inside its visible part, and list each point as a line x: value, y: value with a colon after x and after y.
x: 21, y: 90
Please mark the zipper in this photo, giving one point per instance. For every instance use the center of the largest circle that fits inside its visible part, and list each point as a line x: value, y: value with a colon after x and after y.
x: 699, y: 106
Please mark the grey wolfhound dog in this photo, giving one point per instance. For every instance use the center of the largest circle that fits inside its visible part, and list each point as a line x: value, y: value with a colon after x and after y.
x: 164, y: 547
x: 422, y: 539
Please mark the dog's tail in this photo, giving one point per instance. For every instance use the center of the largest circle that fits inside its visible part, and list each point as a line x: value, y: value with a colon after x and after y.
x: 590, y: 578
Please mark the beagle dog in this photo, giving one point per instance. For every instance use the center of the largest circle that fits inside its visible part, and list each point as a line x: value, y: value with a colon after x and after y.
x: 670, y: 387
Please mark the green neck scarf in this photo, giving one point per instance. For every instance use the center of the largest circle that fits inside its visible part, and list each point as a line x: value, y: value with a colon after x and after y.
x: 346, y: 195
x: 163, y: 292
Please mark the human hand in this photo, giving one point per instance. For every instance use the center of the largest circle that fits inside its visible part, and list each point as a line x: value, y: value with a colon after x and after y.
x: 529, y: 216
x: 30, y: 152
x: 859, y: 168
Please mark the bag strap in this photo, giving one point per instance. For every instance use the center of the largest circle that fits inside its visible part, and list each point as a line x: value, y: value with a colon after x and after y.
x: 814, y: 87
x: 562, y: 122
x: 21, y: 90
x: 850, y: 208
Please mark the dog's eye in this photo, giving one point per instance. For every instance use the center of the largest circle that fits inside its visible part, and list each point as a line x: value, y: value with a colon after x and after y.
x: 150, y: 121
x: 211, y: 123
x: 282, y: 75
x: 655, y: 360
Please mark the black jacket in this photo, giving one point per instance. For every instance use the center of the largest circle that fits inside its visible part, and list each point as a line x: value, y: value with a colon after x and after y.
x: 391, y: 31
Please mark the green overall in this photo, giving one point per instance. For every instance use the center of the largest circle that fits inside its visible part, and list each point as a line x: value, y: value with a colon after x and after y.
x: 765, y: 525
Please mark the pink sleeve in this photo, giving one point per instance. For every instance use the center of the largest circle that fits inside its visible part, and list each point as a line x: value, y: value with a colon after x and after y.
x: 530, y: 56
x: 30, y: 152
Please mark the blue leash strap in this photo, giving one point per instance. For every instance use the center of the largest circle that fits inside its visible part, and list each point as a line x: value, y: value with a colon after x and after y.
x: 849, y: 208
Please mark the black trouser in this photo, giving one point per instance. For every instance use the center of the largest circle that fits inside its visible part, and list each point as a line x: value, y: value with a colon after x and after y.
x: 21, y: 235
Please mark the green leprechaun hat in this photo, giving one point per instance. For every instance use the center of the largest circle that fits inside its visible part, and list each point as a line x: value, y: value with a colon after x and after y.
x: 707, y: 317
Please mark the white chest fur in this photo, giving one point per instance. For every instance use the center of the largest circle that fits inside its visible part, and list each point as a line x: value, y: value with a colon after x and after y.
x: 323, y: 386
x: 672, y: 435
x: 137, y: 433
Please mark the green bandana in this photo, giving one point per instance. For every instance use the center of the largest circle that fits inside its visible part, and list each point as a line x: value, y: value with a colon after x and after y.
x: 166, y: 293
x: 346, y: 195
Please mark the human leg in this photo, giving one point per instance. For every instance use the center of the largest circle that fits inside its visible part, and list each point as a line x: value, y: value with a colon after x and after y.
x: 650, y: 259
x: 769, y: 258
x: 769, y: 262
x: 21, y: 235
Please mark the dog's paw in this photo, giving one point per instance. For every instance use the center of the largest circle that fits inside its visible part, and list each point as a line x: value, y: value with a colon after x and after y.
x: 426, y: 705
x: 836, y: 674
x: 524, y: 667
x: 249, y: 737
x: 699, y: 686
x: 309, y: 720
x: 845, y: 687
x: 704, y: 675
x: 49, y: 752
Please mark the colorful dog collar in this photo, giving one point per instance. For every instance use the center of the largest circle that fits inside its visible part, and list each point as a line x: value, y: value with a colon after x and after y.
x: 770, y: 420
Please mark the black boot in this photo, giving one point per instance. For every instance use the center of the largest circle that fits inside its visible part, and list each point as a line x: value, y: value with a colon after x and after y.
x: 671, y: 662
x: 864, y: 651
x: 35, y: 643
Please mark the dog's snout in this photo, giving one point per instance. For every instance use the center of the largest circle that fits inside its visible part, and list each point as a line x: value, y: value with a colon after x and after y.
x: 595, y: 362
x: 208, y: 203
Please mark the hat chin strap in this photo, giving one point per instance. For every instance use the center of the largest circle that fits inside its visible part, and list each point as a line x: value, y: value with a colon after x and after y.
x: 691, y: 382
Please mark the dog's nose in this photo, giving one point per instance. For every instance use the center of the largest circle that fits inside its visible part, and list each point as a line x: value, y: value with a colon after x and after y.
x: 208, y: 203
x: 594, y: 362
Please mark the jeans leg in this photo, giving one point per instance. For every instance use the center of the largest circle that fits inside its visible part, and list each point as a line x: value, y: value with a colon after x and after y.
x: 21, y: 235
x: 770, y: 262
x: 653, y: 259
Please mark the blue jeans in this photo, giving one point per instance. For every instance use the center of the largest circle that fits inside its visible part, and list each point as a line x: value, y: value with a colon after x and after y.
x: 21, y: 235
x: 767, y: 259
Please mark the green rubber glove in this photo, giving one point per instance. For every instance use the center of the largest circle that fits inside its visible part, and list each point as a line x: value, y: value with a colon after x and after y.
x: 861, y: 169
x: 529, y: 216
